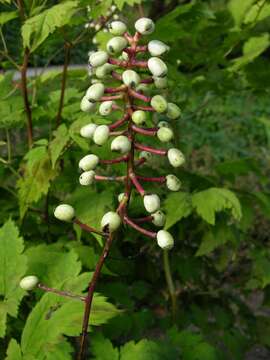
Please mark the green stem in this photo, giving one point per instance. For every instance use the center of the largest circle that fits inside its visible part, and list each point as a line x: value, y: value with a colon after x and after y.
x: 8, y: 146
x: 170, y: 283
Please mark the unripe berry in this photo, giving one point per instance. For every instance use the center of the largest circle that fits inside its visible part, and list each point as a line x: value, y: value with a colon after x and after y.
x: 130, y: 78
x: 29, y: 282
x: 117, y: 27
x: 159, y: 218
x: 87, y: 178
x: 143, y: 88
x: 64, y: 212
x: 98, y: 58
x: 163, y: 124
x: 157, y: 67
x: 157, y: 48
x: 159, y: 103
x: 144, y: 26
x: 146, y: 155
x: 139, y: 117
x: 165, y: 240
x: 106, y: 108
x: 176, y: 157
x: 95, y: 92
x: 87, y: 105
x: 173, y: 183
x: 101, y: 134
x: 151, y: 203
x: 160, y: 82
x: 88, y: 162
x: 121, y: 196
x: 173, y: 111
x: 124, y: 56
x: 116, y: 44
x: 165, y: 134
x: 110, y: 221
x: 121, y: 143
x: 104, y: 70
x: 88, y: 130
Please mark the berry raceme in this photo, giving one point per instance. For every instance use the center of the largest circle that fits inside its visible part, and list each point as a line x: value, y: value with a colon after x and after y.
x: 128, y: 63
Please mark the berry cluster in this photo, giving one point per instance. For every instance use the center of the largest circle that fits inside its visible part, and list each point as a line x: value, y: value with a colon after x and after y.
x: 124, y: 61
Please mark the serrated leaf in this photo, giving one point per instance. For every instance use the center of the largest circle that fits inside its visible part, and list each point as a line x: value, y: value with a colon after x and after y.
x: 120, y: 3
x: 177, y: 206
x: 57, y: 145
x: 36, y: 29
x: 7, y: 16
x: 103, y: 349
x: 208, y: 202
x: 12, y: 269
x: 53, y: 317
x: 53, y: 266
x: 90, y: 206
x: 252, y: 48
x: 14, y: 351
x: 37, y: 177
x: 214, y: 238
x: 239, y: 9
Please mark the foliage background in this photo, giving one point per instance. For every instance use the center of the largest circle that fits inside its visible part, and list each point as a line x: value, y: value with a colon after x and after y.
x: 219, y: 73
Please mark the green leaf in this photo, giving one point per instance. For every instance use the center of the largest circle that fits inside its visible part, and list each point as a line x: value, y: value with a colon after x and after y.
x: 7, y: 16
x: 12, y: 269
x: 36, y: 29
x: 213, y: 200
x: 261, y: 267
x: 252, y: 48
x: 177, y: 206
x: 57, y: 145
x: 192, y: 345
x: 103, y: 349
x: 90, y: 206
x: 53, y: 266
x: 145, y: 350
x: 120, y: 3
x: 14, y: 351
x: 37, y: 177
x: 239, y: 8
x: 215, y: 238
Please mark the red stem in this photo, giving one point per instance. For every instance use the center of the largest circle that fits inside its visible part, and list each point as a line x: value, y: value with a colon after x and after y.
x: 114, y: 161
x: 144, y: 131
x: 88, y: 228
x: 136, y: 183
x: 138, y: 95
x: 142, y: 147
x: 116, y: 89
x: 143, y: 219
x: 109, y: 178
x: 120, y: 63
x: 160, y: 179
x: 119, y: 122
x: 135, y: 226
x: 60, y: 292
x: 147, y: 81
x: 140, y: 64
x: 112, y: 97
x: 116, y: 75
x: 144, y: 108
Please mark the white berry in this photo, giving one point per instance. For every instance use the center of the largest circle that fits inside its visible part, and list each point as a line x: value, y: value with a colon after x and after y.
x: 117, y: 27
x: 159, y: 103
x: 101, y: 134
x: 144, y: 26
x: 176, y: 157
x: 157, y: 48
x: 159, y: 218
x: 29, y: 282
x: 173, y: 183
x: 87, y: 178
x: 95, y: 92
x: 116, y: 44
x: 98, y: 58
x: 121, y: 143
x: 165, y: 240
x: 88, y: 130
x: 110, y: 221
x: 88, y: 162
x: 157, y: 67
x: 151, y: 202
x: 64, y: 212
x: 130, y: 78
x: 139, y: 117
x: 165, y: 134
x: 106, y: 108
x: 87, y: 105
